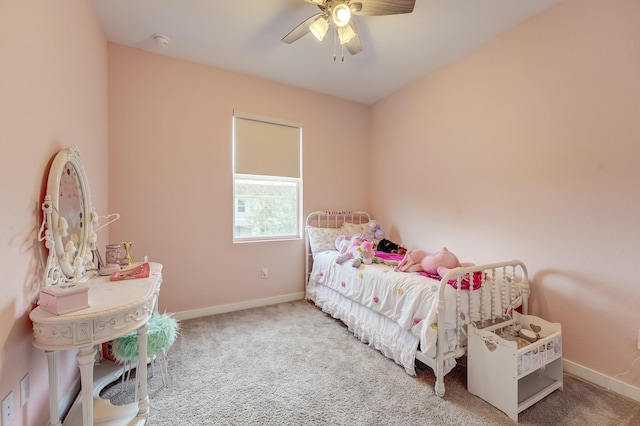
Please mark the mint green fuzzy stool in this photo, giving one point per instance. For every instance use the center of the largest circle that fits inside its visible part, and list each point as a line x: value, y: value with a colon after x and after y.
x: 163, y: 330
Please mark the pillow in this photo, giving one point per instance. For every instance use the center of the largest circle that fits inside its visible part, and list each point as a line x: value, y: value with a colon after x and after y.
x: 322, y: 239
x: 350, y: 229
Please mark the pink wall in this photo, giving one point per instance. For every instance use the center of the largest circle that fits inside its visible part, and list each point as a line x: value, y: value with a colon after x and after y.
x: 528, y: 148
x: 531, y: 143
x: 171, y: 179
x: 53, y: 93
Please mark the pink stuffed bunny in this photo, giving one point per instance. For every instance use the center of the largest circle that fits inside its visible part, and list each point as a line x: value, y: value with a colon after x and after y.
x: 438, y: 263
x: 411, y: 261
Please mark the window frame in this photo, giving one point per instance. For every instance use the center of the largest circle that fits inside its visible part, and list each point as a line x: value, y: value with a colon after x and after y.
x: 298, y: 181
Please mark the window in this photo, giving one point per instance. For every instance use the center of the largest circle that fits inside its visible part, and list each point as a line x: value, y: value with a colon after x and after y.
x: 267, y: 178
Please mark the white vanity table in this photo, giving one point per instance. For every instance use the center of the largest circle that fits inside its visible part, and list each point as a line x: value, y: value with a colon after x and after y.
x: 114, y: 307
x: 117, y: 307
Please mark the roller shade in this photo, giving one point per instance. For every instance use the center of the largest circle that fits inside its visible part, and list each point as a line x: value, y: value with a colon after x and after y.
x: 265, y: 148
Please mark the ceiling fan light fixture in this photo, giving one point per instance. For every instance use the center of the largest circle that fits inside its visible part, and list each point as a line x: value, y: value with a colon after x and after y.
x: 341, y: 14
x: 319, y: 28
x: 345, y: 34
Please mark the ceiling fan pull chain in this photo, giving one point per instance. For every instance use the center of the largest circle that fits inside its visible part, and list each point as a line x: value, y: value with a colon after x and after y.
x: 334, y: 44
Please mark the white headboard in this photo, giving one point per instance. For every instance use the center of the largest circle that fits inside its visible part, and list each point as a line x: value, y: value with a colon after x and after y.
x: 328, y: 219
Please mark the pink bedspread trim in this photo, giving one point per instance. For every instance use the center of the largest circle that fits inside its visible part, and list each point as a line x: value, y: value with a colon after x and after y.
x: 389, y: 256
x: 464, y: 283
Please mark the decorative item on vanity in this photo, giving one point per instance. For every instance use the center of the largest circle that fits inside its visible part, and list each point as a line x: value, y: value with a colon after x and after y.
x: 127, y: 260
x: 113, y: 255
x: 140, y: 271
x: 64, y: 298
x: 68, y: 230
x: 113, y: 259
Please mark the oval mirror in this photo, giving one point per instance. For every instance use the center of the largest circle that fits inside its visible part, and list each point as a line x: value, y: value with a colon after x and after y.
x: 71, y: 213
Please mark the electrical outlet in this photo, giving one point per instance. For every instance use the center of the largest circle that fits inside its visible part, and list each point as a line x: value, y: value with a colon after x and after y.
x: 7, y: 409
x: 265, y: 273
x: 24, y: 390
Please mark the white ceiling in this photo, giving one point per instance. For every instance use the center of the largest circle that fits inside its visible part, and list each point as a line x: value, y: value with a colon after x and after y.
x: 244, y: 36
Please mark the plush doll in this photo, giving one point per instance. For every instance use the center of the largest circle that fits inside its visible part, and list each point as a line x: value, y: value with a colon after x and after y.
x: 411, y: 261
x: 374, y: 232
x: 387, y: 246
x: 363, y: 253
x: 360, y: 250
x: 438, y: 263
x: 343, y: 243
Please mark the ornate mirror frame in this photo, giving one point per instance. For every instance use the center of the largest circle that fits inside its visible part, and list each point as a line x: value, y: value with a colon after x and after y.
x: 68, y: 219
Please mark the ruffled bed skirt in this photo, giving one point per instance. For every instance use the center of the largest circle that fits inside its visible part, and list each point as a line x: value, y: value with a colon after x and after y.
x: 370, y: 327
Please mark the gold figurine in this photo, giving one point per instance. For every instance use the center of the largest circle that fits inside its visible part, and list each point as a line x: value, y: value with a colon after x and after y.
x: 127, y: 256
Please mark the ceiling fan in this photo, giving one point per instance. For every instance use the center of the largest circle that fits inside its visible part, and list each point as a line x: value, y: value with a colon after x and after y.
x: 339, y: 12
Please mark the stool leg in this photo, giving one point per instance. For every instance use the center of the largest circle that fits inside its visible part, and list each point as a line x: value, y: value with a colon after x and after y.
x: 164, y: 368
x: 152, y: 362
x: 126, y: 374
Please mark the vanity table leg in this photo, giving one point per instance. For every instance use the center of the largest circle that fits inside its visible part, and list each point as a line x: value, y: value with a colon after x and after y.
x: 54, y: 403
x: 143, y: 401
x: 86, y: 358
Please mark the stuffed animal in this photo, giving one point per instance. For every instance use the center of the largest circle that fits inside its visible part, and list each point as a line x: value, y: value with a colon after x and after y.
x: 411, y: 261
x: 374, y: 232
x: 343, y: 242
x: 387, y: 246
x: 360, y: 250
x: 438, y: 263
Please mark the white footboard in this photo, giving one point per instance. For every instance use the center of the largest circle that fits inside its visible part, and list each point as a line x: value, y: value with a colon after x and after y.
x: 510, y: 278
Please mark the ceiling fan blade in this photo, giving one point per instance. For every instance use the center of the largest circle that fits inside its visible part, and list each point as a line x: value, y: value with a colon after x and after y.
x: 382, y: 7
x: 354, y: 46
x: 300, y: 30
x: 318, y: 2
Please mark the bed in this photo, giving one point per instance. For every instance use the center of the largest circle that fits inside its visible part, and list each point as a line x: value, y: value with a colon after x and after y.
x: 407, y: 316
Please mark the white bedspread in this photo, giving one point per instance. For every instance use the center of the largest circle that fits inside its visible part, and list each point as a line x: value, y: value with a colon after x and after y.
x: 408, y: 300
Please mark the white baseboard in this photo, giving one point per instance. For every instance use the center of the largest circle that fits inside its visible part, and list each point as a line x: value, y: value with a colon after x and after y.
x: 67, y: 402
x: 232, y: 307
x: 601, y: 380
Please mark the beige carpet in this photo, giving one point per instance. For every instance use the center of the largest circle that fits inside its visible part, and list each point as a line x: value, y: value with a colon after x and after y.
x: 290, y: 364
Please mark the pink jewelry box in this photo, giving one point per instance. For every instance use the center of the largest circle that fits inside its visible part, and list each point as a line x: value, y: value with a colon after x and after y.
x: 62, y: 299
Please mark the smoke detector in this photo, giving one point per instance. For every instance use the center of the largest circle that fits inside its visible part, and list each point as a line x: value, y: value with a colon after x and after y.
x: 162, y: 41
